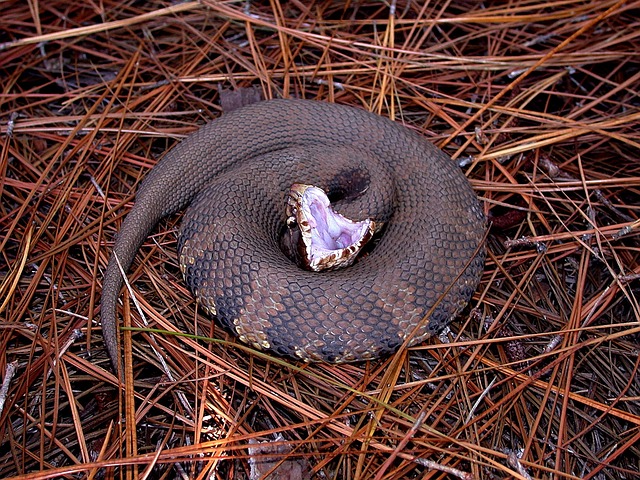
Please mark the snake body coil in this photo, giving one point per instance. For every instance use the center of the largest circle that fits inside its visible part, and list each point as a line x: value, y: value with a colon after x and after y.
x: 233, y: 174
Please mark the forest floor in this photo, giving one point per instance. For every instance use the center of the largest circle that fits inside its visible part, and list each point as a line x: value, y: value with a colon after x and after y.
x: 538, y: 102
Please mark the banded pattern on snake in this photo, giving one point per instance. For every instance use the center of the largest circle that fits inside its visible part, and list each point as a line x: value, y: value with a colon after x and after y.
x: 233, y: 175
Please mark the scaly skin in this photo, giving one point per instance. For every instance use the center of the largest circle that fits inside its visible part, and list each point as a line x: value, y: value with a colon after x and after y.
x: 236, y: 268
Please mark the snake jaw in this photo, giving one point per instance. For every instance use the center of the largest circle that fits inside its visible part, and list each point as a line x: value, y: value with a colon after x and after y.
x: 328, y: 240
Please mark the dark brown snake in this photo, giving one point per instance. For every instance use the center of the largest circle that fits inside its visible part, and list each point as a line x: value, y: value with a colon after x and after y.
x: 233, y: 172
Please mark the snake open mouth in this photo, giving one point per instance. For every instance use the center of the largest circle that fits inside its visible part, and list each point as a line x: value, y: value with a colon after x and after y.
x: 327, y: 240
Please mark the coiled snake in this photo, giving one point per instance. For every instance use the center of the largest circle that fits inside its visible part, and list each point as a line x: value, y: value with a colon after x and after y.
x: 234, y: 173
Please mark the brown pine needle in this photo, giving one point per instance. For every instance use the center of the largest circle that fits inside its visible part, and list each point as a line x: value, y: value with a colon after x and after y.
x: 538, y: 378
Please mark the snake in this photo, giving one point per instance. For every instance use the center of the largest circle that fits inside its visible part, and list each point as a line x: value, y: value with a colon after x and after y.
x: 234, y: 177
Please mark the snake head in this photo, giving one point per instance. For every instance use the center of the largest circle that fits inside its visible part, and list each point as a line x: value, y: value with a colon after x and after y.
x: 323, y: 238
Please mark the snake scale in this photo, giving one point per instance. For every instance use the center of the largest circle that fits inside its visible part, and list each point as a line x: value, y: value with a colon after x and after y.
x: 233, y: 173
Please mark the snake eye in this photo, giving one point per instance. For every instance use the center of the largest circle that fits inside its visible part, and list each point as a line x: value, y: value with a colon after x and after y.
x: 327, y: 240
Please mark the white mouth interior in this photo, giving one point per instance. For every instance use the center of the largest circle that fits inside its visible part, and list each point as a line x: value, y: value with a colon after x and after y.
x: 330, y: 239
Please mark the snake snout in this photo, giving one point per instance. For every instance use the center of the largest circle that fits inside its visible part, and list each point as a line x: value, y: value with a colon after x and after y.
x: 326, y: 240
